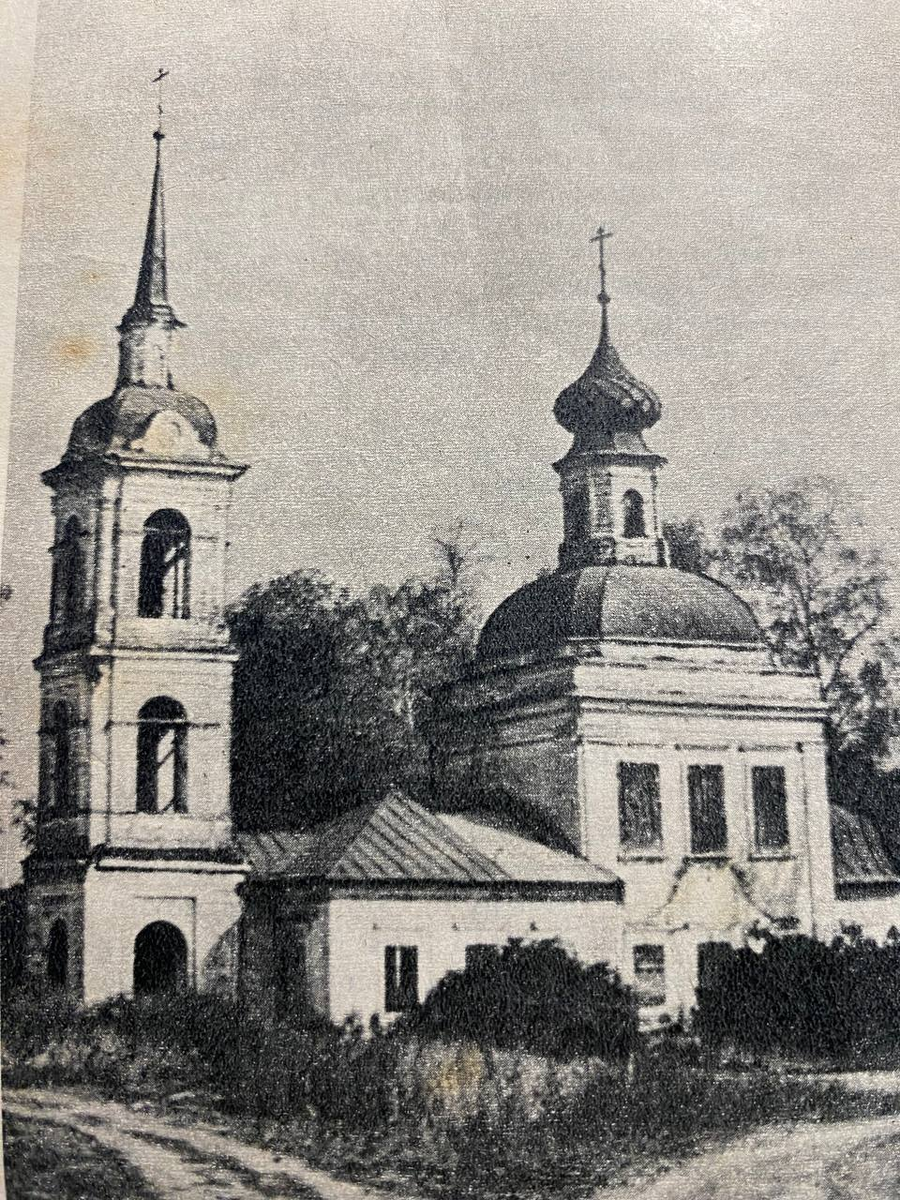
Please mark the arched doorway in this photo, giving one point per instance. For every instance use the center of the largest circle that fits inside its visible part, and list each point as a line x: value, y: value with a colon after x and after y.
x: 160, y: 960
x: 58, y: 955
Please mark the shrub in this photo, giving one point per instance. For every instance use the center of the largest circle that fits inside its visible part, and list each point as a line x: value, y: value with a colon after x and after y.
x: 536, y: 997
x: 801, y: 996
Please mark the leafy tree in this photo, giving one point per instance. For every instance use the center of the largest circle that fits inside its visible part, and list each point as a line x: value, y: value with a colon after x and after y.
x: 333, y: 693
x: 689, y: 549
x: 798, y: 556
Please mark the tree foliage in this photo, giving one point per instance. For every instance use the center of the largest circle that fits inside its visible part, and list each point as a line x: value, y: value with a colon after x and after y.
x: 801, y: 996
x: 533, y: 996
x: 819, y: 590
x: 689, y: 548
x: 333, y: 692
x: 800, y: 558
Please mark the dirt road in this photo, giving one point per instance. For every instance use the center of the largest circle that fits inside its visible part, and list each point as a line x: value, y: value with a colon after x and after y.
x: 847, y: 1160
x: 197, y: 1162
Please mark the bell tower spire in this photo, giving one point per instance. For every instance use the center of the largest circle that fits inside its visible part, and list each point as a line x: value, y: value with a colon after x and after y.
x: 146, y: 328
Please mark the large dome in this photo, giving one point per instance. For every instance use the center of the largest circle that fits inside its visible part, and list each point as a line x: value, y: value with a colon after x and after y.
x: 652, y: 604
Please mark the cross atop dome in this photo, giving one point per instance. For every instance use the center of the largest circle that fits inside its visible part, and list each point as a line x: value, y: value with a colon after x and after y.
x: 606, y: 403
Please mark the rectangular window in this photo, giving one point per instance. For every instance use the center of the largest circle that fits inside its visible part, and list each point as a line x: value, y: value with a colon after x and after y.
x: 640, y: 813
x: 650, y: 975
x: 401, y: 978
x: 706, y: 798
x: 770, y: 808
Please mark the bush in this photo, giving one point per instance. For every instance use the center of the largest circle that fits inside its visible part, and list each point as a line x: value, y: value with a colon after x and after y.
x: 803, y: 997
x: 458, y: 1119
x: 535, y: 997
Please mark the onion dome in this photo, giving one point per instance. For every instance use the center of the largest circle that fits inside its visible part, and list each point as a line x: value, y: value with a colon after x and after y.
x: 606, y: 400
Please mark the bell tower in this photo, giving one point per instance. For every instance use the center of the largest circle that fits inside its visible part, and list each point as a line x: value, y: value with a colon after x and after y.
x: 608, y: 479
x: 132, y: 879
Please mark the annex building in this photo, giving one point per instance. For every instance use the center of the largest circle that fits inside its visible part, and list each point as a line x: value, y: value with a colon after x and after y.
x: 678, y: 772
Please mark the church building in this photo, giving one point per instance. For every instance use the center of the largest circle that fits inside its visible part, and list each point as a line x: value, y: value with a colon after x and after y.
x: 663, y: 779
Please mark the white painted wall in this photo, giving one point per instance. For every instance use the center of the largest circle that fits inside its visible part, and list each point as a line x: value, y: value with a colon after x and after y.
x: 359, y: 930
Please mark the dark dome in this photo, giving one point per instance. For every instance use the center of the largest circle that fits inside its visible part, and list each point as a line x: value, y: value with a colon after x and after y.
x: 654, y: 604
x: 113, y: 423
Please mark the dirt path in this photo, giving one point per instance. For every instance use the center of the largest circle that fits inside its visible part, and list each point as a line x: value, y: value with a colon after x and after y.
x: 197, y: 1162
x: 847, y: 1160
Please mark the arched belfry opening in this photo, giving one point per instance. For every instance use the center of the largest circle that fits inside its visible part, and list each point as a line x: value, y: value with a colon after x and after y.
x: 68, y: 582
x: 58, y: 955
x: 633, y: 521
x: 165, y: 579
x: 162, y: 756
x: 160, y: 960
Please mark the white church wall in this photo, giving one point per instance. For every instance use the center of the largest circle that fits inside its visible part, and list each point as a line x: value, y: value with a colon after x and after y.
x: 202, y: 686
x: 200, y: 900
x: 359, y: 930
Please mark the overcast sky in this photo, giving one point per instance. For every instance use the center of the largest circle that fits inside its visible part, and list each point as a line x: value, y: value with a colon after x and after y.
x: 378, y: 223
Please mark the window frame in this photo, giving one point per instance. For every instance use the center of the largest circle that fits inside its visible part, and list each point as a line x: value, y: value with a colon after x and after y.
x: 716, y: 847
x: 655, y: 825
x: 634, y: 514
x: 166, y: 549
x: 401, y: 978
x: 151, y: 729
x: 649, y: 980
x: 760, y: 846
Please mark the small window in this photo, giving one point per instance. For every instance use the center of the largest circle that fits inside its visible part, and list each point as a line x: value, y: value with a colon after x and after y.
x: 770, y: 808
x: 401, y: 978
x: 164, y: 587
x: 58, y: 955
x: 650, y: 975
x: 62, y: 792
x: 706, y: 798
x: 162, y: 756
x: 640, y: 812
x: 633, y: 514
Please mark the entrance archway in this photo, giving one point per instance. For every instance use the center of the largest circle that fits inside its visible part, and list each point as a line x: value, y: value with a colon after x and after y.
x: 58, y: 955
x: 160, y: 960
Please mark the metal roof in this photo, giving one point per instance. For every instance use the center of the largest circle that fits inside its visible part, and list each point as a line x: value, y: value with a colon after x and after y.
x: 859, y: 853
x: 397, y: 840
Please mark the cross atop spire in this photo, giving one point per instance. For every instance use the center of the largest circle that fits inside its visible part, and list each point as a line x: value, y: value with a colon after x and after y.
x: 160, y: 76
x: 603, y: 296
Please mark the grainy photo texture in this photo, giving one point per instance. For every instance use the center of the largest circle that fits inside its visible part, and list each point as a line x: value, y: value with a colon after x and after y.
x: 451, y: 655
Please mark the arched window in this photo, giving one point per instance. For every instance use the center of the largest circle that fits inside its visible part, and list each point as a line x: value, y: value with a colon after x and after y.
x: 164, y: 588
x: 62, y: 791
x: 633, y: 512
x: 160, y: 960
x: 68, y: 581
x: 162, y: 756
x: 58, y: 955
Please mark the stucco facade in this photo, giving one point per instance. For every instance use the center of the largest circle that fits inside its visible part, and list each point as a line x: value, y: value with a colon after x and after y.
x: 132, y: 880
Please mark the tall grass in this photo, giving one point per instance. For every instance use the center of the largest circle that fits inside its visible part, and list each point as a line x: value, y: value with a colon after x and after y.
x: 456, y: 1118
